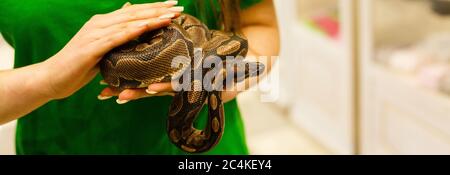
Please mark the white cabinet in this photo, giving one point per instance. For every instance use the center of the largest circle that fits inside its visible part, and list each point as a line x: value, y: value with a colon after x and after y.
x: 401, y: 118
x: 318, y: 72
x: 349, y: 102
x: 398, y: 116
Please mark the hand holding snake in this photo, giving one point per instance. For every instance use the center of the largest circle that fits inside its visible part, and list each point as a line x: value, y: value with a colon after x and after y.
x: 76, y: 64
x: 157, y: 89
x: 148, y: 60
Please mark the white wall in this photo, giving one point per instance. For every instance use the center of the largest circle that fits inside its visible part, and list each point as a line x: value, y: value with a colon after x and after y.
x: 7, y: 132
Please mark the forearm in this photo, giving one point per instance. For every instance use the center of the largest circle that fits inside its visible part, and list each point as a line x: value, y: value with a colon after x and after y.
x: 264, y: 43
x: 259, y: 25
x: 20, y: 91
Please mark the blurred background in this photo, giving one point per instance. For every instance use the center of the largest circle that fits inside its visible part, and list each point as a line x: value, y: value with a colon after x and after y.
x: 356, y: 77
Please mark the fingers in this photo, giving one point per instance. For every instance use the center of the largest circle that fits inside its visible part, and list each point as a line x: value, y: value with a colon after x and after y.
x: 128, y: 95
x: 140, y: 15
x: 107, y: 93
x: 154, y: 90
x: 137, y: 12
x: 128, y: 7
x: 107, y: 31
x: 159, y: 87
x: 98, y: 42
x: 133, y: 94
x: 117, y: 36
x: 129, y: 27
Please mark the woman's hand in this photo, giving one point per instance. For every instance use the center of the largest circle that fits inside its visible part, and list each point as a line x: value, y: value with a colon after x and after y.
x: 24, y: 89
x: 159, y: 89
x: 76, y: 64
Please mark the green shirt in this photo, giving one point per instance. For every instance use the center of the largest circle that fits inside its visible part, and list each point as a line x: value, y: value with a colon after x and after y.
x: 81, y: 124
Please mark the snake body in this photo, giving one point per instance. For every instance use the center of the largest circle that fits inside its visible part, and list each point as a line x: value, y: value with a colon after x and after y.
x: 149, y: 59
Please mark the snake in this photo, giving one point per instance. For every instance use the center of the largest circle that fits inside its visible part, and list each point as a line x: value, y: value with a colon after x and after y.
x: 188, y: 43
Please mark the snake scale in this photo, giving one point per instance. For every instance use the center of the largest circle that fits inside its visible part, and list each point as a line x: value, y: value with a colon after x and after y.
x: 149, y: 59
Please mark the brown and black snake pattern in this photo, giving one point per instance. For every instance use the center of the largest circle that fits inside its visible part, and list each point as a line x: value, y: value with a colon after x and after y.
x: 148, y: 59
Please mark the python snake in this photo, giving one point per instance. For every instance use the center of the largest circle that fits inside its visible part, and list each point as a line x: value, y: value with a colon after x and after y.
x: 149, y: 59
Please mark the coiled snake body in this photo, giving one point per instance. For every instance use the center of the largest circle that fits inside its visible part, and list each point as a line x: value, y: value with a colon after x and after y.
x: 150, y: 59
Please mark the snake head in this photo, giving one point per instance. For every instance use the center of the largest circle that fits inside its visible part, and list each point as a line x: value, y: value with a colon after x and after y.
x: 242, y: 70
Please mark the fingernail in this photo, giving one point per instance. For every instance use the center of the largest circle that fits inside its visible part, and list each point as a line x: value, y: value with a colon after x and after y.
x: 103, y: 82
x: 171, y: 2
x: 167, y: 16
x: 150, y: 92
x: 101, y: 97
x: 121, y: 102
x: 177, y: 9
